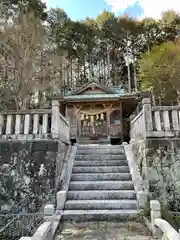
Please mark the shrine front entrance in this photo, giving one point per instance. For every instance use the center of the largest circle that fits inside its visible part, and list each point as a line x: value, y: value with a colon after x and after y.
x: 93, y: 122
x: 94, y: 126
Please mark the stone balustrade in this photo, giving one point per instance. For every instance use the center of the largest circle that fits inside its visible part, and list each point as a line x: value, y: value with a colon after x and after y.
x: 166, y: 120
x: 60, y: 127
x: 23, y: 124
x: 155, y: 121
x: 34, y: 124
x: 138, y: 126
x: 139, y: 184
x: 160, y: 228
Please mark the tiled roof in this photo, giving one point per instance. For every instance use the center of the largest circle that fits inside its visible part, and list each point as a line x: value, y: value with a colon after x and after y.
x: 92, y: 96
x: 99, y: 96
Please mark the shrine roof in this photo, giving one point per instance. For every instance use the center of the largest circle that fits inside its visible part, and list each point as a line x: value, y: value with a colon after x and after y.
x: 99, y: 97
x: 91, y: 96
x: 91, y: 84
x: 94, y: 91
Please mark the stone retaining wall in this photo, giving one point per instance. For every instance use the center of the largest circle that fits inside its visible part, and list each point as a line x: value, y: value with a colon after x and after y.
x: 27, y: 173
x: 159, y: 164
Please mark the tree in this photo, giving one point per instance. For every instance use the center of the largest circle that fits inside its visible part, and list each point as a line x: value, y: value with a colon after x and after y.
x: 169, y: 16
x: 11, y: 8
x: 160, y: 73
x: 28, y: 60
x: 57, y: 20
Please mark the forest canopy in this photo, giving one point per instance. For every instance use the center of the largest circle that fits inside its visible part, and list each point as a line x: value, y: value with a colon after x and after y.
x: 69, y: 53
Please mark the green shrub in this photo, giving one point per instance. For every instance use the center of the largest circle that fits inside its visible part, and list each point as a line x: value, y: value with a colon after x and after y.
x: 172, y: 219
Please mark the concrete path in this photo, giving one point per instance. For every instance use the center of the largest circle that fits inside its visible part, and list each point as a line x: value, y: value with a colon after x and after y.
x: 103, y: 231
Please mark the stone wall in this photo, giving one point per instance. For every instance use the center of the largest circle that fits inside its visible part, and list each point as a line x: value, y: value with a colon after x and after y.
x: 27, y: 173
x: 159, y: 164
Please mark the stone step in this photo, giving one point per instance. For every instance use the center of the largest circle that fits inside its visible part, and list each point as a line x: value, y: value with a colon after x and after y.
x: 100, y: 163
x: 101, y: 185
x: 100, y: 215
x: 98, y: 157
x: 104, y: 169
x: 99, y: 146
x: 101, y: 176
x: 100, y: 204
x: 100, y: 151
x: 94, y: 142
x: 103, y: 194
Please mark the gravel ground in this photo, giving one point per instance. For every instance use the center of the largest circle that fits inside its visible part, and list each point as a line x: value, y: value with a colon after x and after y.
x: 103, y: 231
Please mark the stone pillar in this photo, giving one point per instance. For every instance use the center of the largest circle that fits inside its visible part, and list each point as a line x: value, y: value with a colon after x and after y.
x: 142, y: 198
x: 61, y: 198
x: 45, y: 124
x: 9, y: 124
x: 49, y: 211
x: 146, y: 102
x: 155, y: 213
x: 18, y: 125
x: 68, y: 130
x: 35, y: 123
x: 26, y: 124
x: 55, y: 119
x: 1, y: 124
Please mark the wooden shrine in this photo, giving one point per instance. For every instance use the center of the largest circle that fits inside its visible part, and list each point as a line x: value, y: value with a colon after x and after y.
x: 98, y: 112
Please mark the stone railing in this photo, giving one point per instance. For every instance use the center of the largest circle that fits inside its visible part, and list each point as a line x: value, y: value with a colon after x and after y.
x: 159, y: 227
x: 157, y: 121
x: 60, y: 127
x: 139, y: 184
x: 165, y: 120
x: 35, y: 124
x: 138, y: 126
x: 25, y: 124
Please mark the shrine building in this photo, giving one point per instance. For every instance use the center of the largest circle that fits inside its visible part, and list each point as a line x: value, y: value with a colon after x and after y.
x: 99, y: 113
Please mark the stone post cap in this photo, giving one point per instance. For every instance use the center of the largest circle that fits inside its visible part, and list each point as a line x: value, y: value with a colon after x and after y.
x: 55, y: 103
x: 155, y: 205
x: 49, y: 210
x: 146, y: 101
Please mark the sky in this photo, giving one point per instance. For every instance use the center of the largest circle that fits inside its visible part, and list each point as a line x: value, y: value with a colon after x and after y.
x: 80, y: 9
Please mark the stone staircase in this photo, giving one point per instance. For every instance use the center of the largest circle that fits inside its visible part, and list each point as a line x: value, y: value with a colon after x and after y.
x: 101, y: 187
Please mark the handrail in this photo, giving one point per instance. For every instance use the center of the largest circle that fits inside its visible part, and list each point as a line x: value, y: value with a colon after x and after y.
x: 140, y: 190
x: 169, y: 232
x: 28, y: 111
x: 137, y: 116
x: 64, y: 119
x: 157, y: 223
x: 165, y: 108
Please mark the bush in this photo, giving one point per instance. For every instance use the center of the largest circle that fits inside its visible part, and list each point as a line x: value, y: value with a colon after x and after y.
x: 171, y: 218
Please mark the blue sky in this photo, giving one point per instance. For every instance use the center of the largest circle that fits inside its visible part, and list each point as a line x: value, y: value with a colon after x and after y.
x: 80, y: 9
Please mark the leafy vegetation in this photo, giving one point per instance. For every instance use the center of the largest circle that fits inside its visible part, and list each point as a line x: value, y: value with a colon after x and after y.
x: 94, y: 48
x: 160, y: 73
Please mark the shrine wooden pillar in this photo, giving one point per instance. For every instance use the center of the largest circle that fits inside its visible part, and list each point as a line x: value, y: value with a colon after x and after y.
x: 77, y: 121
x: 108, y: 123
x: 121, y: 122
